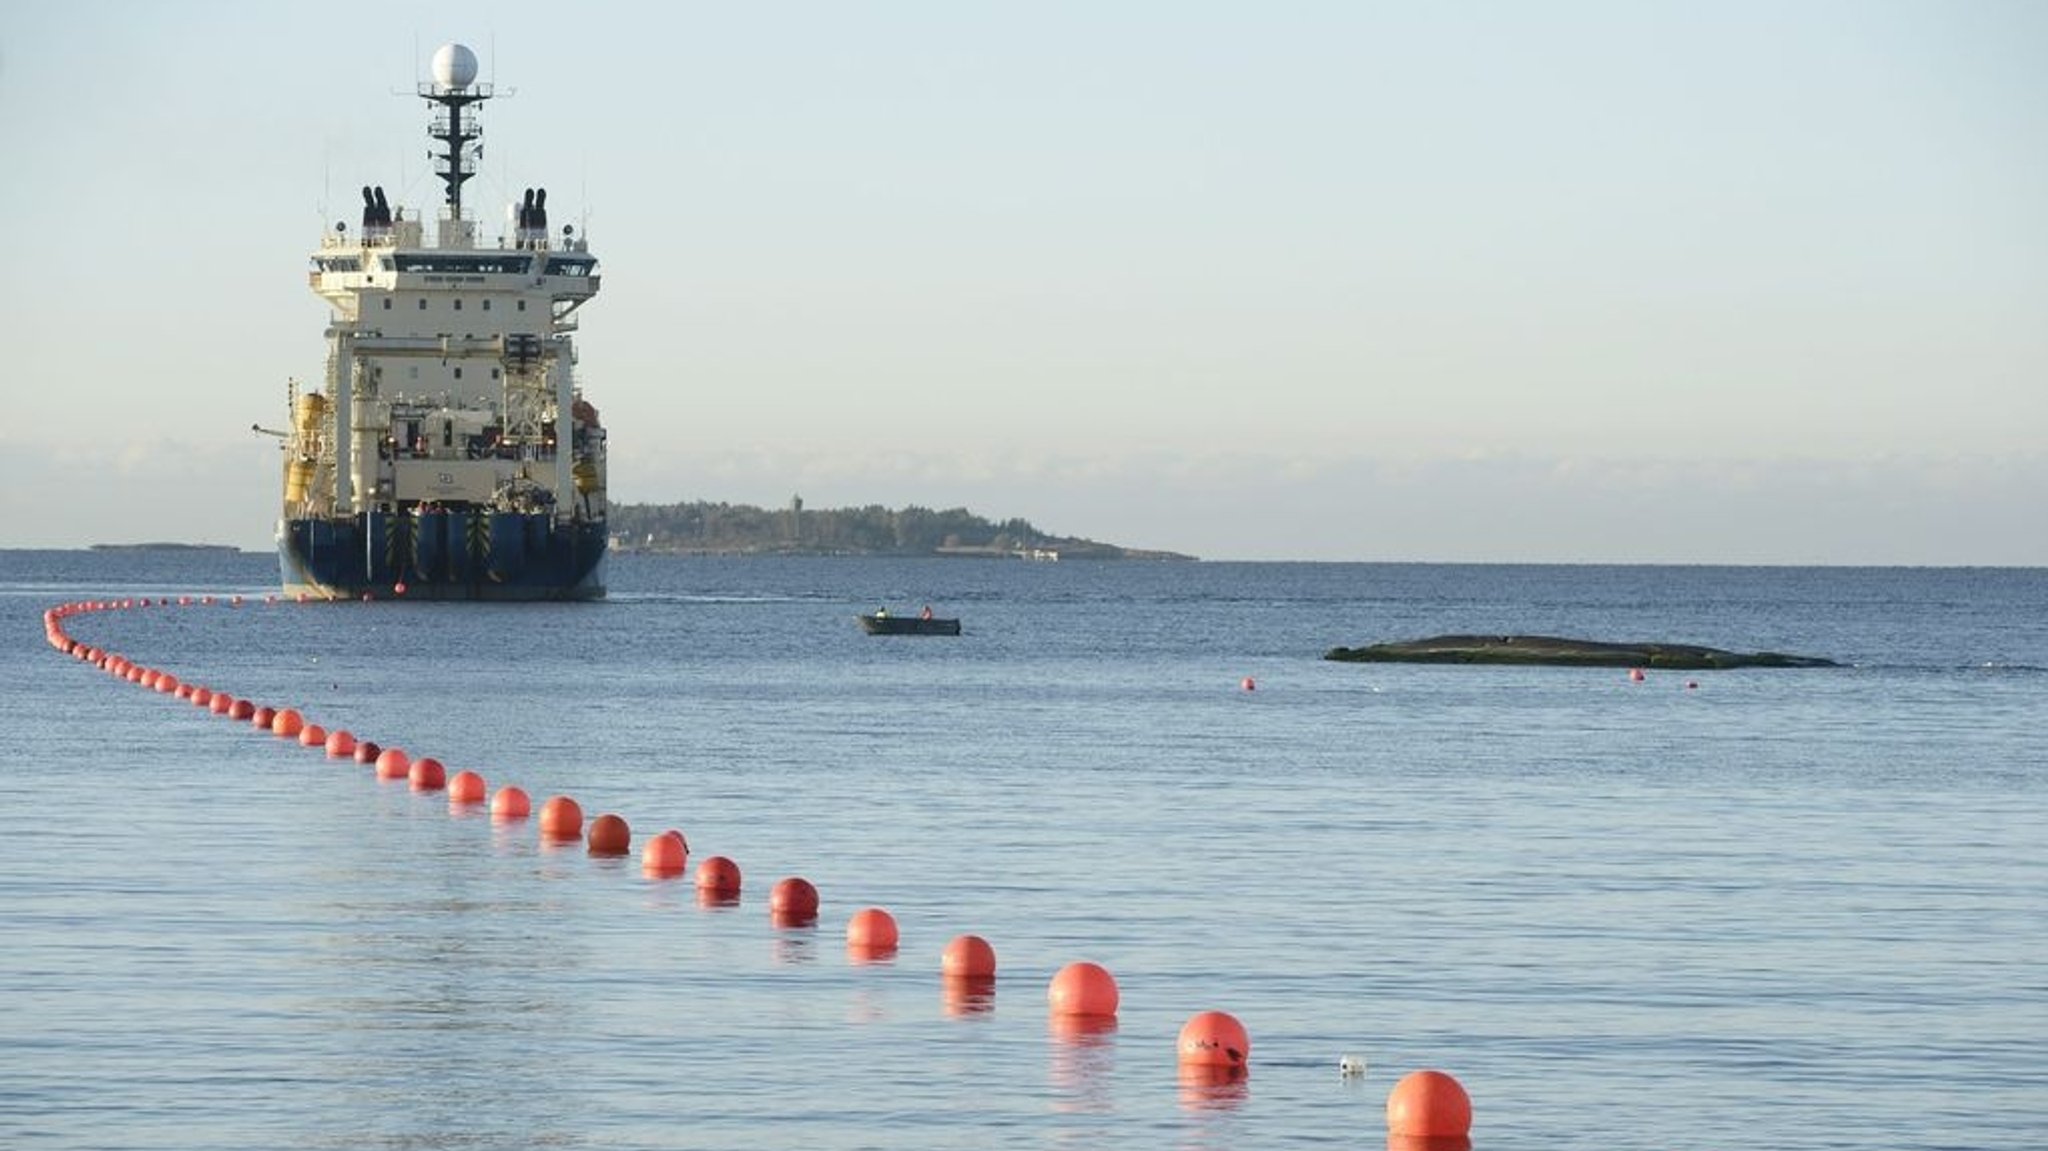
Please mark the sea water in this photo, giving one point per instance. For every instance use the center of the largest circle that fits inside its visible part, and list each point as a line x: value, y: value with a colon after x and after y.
x: 1785, y: 909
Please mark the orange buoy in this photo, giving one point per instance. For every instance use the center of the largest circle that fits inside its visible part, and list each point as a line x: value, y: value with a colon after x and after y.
x: 166, y: 682
x: 427, y: 774
x: 793, y: 900
x: 609, y: 835
x: 719, y: 876
x: 664, y: 855
x: 510, y: 803
x: 968, y: 957
x: 184, y: 691
x: 871, y: 929
x: 1215, y: 1039
x: 287, y: 723
x: 466, y: 787
x: 1429, y: 1104
x: 241, y: 709
x: 1082, y: 988
x: 367, y: 752
x: 201, y: 696
x: 398, y: 588
x: 340, y: 744
x: 393, y: 763
x: 312, y: 735
x: 1249, y: 684
x: 1635, y: 675
x: 221, y: 703
x: 561, y: 818
x: 261, y: 718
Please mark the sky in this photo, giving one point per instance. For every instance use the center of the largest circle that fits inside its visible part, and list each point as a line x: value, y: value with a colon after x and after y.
x: 1494, y: 282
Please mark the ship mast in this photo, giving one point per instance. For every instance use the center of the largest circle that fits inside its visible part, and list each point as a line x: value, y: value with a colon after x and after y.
x: 451, y: 92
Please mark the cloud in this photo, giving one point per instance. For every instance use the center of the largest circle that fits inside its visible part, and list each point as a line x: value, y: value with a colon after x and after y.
x: 1474, y: 507
x: 63, y: 496
x: 1479, y: 507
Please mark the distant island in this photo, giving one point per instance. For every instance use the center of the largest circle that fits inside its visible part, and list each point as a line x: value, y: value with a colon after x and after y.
x: 704, y: 528
x: 164, y: 546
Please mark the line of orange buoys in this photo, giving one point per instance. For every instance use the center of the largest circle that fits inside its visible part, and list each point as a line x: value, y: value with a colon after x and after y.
x: 1426, y: 1111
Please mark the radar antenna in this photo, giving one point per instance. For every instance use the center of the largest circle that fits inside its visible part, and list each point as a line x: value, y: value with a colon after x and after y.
x: 452, y: 90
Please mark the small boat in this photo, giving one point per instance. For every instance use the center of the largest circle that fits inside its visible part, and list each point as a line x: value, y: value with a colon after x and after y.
x: 880, y: 624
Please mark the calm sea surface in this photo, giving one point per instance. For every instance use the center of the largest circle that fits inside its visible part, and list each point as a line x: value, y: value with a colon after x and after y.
x: 1785, y: 909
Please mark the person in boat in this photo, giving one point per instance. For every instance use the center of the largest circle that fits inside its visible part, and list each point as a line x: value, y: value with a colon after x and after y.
x: 881, y: 613
x: 926, y: 613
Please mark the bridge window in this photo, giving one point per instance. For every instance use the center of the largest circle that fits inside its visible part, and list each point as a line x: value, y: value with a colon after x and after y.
x: 464, y: 264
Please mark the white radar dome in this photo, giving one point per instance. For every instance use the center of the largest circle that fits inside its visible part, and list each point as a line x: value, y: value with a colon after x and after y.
x: 454, y: 66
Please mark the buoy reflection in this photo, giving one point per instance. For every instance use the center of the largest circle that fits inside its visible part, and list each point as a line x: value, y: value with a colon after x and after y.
x: 1083, y: 1055
x: 1213, y: 1087
x: 968, y: 995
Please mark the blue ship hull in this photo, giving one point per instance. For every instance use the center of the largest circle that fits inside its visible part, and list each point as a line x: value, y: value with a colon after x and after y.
x: 443, y: 555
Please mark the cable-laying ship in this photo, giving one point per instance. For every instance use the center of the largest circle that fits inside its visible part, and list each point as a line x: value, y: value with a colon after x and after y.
x: 448, y: 454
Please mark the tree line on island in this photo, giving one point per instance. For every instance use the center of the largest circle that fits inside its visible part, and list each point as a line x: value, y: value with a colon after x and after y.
x: 702, y: 527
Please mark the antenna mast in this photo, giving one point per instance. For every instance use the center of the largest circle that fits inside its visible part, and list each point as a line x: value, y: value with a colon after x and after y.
x: 452, y: 90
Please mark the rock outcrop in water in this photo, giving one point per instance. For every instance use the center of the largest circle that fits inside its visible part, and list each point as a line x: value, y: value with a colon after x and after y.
x: 1556, y: 652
